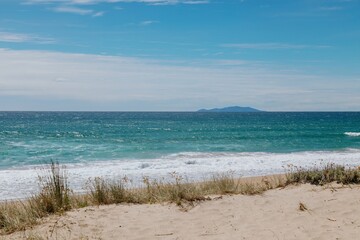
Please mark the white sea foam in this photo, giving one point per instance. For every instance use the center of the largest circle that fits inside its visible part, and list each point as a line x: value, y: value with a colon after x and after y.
x: 19, y: 183
x: 352, y: 134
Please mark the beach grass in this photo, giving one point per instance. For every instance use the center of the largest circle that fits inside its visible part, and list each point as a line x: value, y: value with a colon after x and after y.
x: 54, y: 194
x: 56, y: 197
x: 323, y: 174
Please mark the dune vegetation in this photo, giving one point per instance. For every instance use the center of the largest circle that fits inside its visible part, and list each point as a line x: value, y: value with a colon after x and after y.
x: 56, y: 197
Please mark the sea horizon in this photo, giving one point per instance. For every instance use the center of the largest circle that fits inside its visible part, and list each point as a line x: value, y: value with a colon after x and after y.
x: 179, y: 111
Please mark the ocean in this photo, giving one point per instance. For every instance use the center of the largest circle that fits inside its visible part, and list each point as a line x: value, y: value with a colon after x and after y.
x: 155, y: 144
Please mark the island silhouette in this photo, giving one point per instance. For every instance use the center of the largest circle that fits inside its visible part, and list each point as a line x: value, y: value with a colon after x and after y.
x: 231, y: 109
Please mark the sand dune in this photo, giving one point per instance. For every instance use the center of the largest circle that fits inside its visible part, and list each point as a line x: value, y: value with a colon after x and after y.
x: 332, y: 213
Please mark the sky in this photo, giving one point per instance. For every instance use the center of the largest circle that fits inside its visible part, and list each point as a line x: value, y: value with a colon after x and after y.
x: 179, y: 55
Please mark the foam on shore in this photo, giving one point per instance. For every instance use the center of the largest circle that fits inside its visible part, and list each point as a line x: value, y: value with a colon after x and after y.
x: 22, y: 182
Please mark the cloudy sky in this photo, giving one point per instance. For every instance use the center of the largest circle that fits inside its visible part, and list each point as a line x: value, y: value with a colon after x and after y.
x: 179, y: 55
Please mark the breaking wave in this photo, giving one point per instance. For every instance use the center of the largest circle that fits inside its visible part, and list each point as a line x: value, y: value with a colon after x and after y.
x: 192, y: 165
x: 352, y: 134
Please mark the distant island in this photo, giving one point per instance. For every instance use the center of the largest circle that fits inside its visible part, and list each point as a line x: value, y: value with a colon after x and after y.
x: 231, y: 109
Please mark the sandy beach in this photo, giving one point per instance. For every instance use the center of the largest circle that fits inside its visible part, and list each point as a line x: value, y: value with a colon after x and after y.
x: 179, y: 120
x: 331, y: 212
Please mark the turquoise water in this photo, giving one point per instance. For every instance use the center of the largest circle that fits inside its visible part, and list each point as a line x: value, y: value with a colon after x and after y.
x: 195, y: 145
x: 28, y: 138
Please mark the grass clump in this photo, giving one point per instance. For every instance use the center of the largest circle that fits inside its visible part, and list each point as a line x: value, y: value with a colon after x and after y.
x: 224, y: 183
x: 99, y: 191
x: 323, y: 175
x: 53, y: 198
x: 16, y: 216
x: 227, y: 183
x: 176, y: 191
x: 109, y: 192
x: 54, y: 195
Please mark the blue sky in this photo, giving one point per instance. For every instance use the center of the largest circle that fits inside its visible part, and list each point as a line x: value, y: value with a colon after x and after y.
x: 179, y: 54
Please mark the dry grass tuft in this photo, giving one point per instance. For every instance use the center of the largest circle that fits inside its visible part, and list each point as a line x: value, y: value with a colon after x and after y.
x: 54, y: 194
x: 109, y: 192
x: 323, y: 175
x: 224, y: 183
x: 53, y: 198
x: 16, y: 216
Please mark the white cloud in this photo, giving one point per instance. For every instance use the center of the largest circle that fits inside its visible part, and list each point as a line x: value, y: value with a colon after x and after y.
x: 14, y: 37
x: 72, y: 6
x: 21, y: 38
x: 147, y: 22
x: 333, y: 8
x: 96, y: 82
x: 84, y: 2
x: 77, y: 10
x: 230, y: 62
x: 271, y: 46
x: 98, y: 14
x: 196, y: 2
x: 170, y: 2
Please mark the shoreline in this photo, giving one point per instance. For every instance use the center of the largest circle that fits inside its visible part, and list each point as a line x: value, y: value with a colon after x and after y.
x: 193, y: 166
